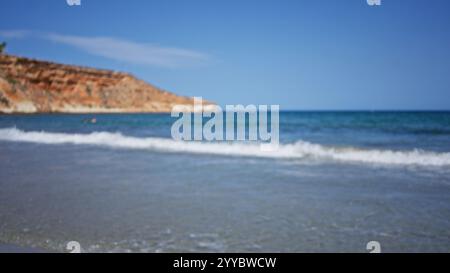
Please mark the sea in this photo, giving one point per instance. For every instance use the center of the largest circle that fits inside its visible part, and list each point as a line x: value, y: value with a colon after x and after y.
x: 338, y: 180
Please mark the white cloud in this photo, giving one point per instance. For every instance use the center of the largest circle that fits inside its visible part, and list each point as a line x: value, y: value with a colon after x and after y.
x: 132, y: 52
x: 120, y: 49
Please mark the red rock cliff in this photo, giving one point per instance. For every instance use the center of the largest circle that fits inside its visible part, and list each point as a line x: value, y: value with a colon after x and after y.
x: 31, y: 86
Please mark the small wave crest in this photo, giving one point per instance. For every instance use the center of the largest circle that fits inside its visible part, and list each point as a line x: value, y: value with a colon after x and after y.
x: 299, y: 149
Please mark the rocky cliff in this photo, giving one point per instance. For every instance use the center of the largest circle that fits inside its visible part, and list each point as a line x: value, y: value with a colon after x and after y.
x: 31, y: 86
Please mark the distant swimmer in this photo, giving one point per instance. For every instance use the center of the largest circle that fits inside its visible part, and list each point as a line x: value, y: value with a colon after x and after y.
x: 91, y: 120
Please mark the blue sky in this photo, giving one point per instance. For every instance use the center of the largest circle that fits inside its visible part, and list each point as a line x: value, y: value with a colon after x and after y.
x: 306, y: 55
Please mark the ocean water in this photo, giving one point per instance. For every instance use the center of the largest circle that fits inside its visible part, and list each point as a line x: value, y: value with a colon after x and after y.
x: 337, y: 181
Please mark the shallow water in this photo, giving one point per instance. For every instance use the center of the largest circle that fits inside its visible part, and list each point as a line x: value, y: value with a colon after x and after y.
x: 124, y: 193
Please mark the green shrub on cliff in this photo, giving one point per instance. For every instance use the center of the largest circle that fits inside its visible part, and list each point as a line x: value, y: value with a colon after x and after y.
x: 2, y: 47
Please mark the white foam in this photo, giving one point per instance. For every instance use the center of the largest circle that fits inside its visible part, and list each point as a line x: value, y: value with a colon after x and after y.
x: 300, y: 149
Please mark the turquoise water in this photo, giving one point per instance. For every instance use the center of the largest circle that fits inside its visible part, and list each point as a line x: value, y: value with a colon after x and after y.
x: 337, y: 181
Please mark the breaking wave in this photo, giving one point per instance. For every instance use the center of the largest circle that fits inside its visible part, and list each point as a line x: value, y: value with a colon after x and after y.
x: 299, y: 149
